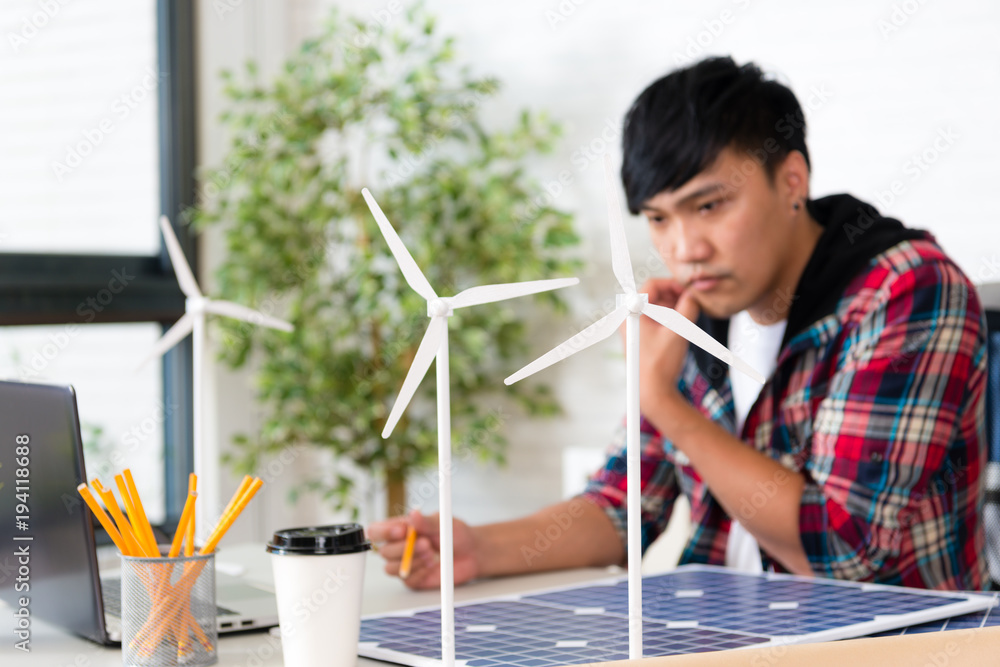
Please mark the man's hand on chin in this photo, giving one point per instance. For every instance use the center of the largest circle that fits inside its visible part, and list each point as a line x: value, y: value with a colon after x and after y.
x: 661, y: 351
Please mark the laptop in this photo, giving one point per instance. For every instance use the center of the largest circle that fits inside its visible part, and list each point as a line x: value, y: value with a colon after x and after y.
x: 41, y: 462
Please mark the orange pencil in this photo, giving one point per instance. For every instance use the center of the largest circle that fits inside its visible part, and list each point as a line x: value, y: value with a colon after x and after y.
x: 186, y: 520
x: 133, y: 516
x: 229, y: 518
x: 189, y: 538
x: 175, y: 546
x: 137, y: 501
x: 88, y: 498
x: 183, y: 586
x: 134, y: 548
x: 240, y: 490
x: 407, y: 562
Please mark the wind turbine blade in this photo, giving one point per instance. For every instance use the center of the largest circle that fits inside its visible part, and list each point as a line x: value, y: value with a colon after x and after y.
x: 685, y: 328
x: 620, y: 262
x: 181, y: 268
x: 409, y: 267
x: 235, y: 310
x: 489, y: 293
x: 174, y: 335
x: 429, y: 345
x: 595, y: 333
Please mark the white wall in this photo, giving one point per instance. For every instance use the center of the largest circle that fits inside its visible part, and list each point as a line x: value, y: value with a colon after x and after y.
x: 880, y: 79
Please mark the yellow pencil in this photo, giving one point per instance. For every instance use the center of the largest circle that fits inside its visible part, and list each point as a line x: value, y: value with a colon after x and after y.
x: 411, y: 539
x: 240, y: 490
x: 183, y: 585
x: 164, y: 616
x: 137, y: 501
x: 229, y: 518
x: 88, y: 498
x: 175, y: 546
x: 133, y: 517
x: 134, y: 548
x: 189, y: 537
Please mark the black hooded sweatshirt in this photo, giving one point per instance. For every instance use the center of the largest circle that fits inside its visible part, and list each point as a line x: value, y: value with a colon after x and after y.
x: 853, y: 234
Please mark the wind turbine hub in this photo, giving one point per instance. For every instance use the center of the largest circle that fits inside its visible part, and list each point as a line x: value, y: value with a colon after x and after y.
x: 438, y: 308
x: 634, y: 302
x: 195, y: 304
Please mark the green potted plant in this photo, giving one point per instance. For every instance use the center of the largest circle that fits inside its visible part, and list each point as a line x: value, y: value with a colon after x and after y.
x: 391, y: 110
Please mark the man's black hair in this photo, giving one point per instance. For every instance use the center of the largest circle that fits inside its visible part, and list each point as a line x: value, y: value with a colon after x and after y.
x: 678, y: 126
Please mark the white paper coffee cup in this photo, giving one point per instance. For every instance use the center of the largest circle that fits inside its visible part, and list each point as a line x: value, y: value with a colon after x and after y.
x: 318, y: 574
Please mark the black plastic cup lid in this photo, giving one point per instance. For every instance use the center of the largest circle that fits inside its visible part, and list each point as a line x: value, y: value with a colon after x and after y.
x: 341, y: 538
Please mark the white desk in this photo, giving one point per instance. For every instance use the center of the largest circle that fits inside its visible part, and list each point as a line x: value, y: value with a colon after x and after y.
x: 51, y: 647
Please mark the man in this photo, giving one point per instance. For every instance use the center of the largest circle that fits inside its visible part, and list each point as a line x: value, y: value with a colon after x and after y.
x: 860, y: 458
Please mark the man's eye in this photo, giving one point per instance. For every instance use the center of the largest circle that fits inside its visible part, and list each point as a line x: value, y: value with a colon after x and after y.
x: 710, y: 205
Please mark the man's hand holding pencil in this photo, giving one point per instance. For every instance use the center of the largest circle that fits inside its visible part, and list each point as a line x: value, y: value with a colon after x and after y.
x: 421, y: 532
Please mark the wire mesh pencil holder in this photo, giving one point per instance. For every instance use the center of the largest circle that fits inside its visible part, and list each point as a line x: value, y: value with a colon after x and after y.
x: 168, y: 611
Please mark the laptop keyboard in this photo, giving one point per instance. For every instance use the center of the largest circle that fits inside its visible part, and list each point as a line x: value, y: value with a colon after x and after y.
x: 111, y: 590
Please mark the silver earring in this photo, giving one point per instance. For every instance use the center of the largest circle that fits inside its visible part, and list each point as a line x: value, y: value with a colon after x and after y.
x: 795, y: 206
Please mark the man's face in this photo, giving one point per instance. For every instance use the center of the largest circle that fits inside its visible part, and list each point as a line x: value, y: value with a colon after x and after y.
x: 726, y: 235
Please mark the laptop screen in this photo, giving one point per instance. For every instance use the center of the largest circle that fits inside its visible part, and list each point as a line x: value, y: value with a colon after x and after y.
x: 59, y: 581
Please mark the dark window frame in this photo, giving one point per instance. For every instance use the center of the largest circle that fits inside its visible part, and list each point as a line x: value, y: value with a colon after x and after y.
x: 40, y: 289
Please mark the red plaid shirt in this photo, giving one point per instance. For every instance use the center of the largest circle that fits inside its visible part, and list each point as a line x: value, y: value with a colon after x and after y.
x: 880, y: 405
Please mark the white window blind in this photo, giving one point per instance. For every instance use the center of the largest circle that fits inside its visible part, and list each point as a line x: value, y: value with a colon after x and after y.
x: 78, y: 126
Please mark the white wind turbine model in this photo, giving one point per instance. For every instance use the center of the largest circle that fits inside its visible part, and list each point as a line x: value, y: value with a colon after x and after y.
x: 193, y: 321
x: 630, y: 306
x: 435, y: 344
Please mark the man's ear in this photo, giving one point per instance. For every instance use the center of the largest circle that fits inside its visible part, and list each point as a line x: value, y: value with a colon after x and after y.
x: 793, y: 177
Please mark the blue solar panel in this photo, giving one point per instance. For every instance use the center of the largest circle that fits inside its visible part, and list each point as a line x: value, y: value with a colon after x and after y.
x: 689, y: 610
x: 978, y: 619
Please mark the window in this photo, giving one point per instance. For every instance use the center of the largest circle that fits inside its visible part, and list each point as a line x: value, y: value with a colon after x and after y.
x: 122, y: 411
x: 99, y: 140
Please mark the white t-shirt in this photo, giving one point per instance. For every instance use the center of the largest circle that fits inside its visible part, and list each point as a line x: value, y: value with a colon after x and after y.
x: 758, y: 345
